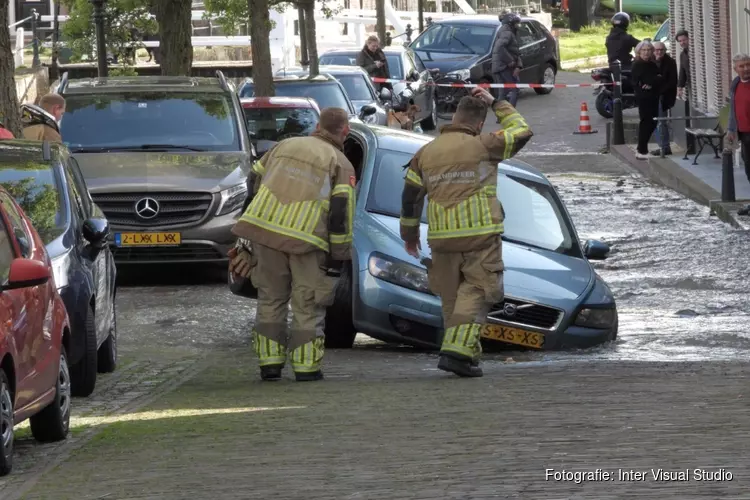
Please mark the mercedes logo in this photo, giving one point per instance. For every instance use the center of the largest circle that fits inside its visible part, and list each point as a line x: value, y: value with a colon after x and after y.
x: 147, y: 208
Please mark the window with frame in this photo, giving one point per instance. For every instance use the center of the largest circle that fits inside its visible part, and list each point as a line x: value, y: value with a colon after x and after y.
x: 527, y: 34
x: 76, y: 198
x: 417, y: 61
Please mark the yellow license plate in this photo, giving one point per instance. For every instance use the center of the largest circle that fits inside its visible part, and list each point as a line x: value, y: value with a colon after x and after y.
x: 513, y: 336
x: 147, y: 239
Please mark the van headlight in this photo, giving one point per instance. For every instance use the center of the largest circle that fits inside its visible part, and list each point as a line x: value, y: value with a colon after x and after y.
x: 399, y: 273
x: 60, y: 270
x: 232, y: 199
x: 596, y: 317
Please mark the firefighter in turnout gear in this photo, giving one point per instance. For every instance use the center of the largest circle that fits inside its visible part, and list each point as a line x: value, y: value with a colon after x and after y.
x: 457, y: 172
x: 299, y: 225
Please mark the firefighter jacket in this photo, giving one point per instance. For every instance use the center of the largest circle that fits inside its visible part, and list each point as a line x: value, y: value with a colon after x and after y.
x: 301, y: 198
x: 41, y: 132
x: 457, y: 172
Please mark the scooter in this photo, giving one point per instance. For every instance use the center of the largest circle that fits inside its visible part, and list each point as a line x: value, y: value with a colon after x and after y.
x: 605, y: 93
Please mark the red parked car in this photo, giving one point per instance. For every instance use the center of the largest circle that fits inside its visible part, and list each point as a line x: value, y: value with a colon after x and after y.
x: 272, y: 119
x: 34, y: 376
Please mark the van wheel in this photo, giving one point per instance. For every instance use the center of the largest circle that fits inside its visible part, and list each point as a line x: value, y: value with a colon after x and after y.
x: 52, y: 423
x: 6, y: 425
x: 548, y: 76
x: 107, y: 362
x: 339, y: 329
x: 83, y: 373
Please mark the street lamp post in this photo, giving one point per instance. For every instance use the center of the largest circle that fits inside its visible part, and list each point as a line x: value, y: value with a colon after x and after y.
x: 101, y: 44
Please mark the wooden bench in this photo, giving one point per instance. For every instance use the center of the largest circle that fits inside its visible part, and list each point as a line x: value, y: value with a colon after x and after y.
x: 713, y: 137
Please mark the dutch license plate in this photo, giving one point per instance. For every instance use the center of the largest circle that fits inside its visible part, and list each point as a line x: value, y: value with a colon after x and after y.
x: 147, y: 239
x: 513, y: 336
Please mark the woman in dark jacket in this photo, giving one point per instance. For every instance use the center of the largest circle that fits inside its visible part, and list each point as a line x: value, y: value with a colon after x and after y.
x: 648, y: 83
x: 372, y: 59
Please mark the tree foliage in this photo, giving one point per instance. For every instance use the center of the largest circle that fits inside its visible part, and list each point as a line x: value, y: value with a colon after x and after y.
x: 40, y: 202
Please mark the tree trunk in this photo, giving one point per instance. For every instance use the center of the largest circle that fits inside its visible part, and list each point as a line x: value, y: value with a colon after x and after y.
x: 10, y: 114
x: 175, y: 33
x: 312, y: 38
x: 380, y: 20
x: 303, y: 57
x: 260, y: 31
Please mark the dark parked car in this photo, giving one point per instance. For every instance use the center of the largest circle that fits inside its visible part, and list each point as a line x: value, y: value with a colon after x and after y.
x: 323, y: 89
x: 47, y: 183
x: 358, y: 86
x: 462, y: 46
x: 403, y: 64
x: 166, y: 160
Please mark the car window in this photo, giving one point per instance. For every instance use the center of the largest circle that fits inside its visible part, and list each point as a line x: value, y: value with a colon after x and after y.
x: 6, y: 253
x: 540, y: 30
x: 417, y: 61
x: 74, y: 171
x: 408, y: 64
x: 17, y: 227
x: 662, y: 35
x: 394, y: 66
x: 456, y: 38
x: 327, y: 95
x: 36, y: 188
x: 76, y: 198
x: 527, y: 34
x: 350, y: 59
x: 356, y: 87
x: 134, y: 118
x: 533, y: 214
x: 274, y: 124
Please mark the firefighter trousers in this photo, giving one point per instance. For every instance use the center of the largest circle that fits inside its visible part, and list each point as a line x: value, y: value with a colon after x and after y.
x: 468, y: 284
x: 301, y: 278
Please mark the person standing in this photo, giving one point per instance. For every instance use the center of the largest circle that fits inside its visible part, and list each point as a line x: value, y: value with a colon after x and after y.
x: 299, y: 224
x: 668, y: 68
x: 683, y: 38
x: 506, y: 58
x: 619, y: 42
x: 738, y: 129
x: 41, y: 122
x: 372, y: 59
x: 647, y: 82
x: 457, y: 173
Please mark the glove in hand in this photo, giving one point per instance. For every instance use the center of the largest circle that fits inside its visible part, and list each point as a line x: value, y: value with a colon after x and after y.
x: 241, y: 262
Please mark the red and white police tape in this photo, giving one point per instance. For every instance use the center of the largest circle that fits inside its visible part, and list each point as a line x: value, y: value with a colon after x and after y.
x: 500, y: 85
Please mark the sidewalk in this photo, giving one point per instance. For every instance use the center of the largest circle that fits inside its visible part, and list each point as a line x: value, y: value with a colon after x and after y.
x: 387, y: 424
x: 701, y: 182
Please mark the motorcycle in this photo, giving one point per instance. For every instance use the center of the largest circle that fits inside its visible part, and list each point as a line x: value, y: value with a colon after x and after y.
x: 605, y: 93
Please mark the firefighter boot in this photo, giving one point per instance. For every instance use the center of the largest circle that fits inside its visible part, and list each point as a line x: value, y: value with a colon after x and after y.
x: 271, y: 372
x: 309, y: 377
x: 462, y: 368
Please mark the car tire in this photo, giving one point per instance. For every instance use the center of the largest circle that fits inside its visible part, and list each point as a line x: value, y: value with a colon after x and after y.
x: 83, y: 373
x: 548, y: 76
x: 53, y: 422
x: 339, y: 330
x: 602, y: 105
x: 6, y: 425
x: 431, y: 122
x: 107, y: 354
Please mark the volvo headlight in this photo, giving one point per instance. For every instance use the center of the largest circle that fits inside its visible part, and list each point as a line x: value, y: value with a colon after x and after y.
x: 463, y: 74
x: 232, y: 199
x: 60, y: 270
x: 399, y: 273
x: 596, y: 317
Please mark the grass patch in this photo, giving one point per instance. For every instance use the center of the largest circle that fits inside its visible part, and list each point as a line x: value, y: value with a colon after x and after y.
x: 589, y: 42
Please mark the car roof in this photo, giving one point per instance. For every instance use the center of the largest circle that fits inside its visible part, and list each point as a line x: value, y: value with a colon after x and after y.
x: 476, y: 19
x: 172, y: 83
x: 330, y: 69
x: 279, y: 102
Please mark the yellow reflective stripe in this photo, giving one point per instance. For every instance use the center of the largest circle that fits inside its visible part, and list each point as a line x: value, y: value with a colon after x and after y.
x: 269, y: 351
x: 259, y: 168
x: 296, y: 220
x: 463, y: 340
x: 508, y: 138
x: 462, y: 233
x: 338, y: 238
x: 409, y: 222
x: 471, y: 217
x: 307, y: 357
x: 508, y: 120
x: 412, y: 177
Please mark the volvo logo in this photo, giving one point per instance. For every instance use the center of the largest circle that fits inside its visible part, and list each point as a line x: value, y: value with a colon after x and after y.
x: 509, y: 310
x: 147, y: 208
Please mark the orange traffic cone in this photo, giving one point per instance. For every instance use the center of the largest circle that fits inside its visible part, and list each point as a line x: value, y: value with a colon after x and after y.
x: 584, y: 127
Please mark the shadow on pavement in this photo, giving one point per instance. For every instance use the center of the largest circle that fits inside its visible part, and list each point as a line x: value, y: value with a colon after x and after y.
x: 171, y: 275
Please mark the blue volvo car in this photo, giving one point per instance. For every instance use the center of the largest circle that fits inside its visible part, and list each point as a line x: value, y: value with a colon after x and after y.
x: 554, y: 297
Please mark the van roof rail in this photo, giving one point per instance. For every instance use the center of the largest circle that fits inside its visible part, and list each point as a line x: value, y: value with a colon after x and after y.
x: 223, y: 80
x: 63, y: 83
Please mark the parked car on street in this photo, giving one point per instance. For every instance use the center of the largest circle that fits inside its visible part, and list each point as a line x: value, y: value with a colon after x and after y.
x: 34, y: 336
x: 461, y: 46
x: 272, y: 119
x: 663, y: 34
x: 358, y: 86
x: 165, y: 158
x: 554, y: 297
x: 47, y: 183
x: 323, y: 89
x: 404, y: 64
